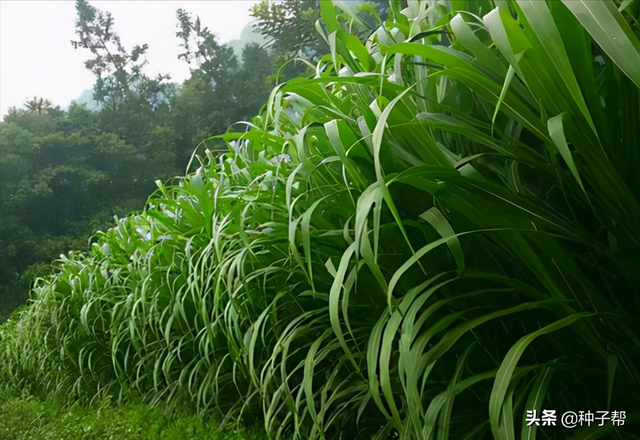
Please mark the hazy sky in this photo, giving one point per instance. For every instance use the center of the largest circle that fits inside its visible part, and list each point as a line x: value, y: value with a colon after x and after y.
x: 37, y: 58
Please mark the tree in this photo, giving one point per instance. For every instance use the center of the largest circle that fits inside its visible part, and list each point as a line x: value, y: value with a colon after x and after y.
x: 209, y: 102
x: 38, y: 105
x: 217, y: 62
x: 253, y: 87
x: 18, y: 151
x: 38, y: 117
x: 94, y: 29
x: 118, y: 71
x: 291, y: 27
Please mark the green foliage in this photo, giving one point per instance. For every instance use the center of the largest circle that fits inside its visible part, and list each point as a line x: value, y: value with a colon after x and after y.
x: 37, y: 123
x: 29, y: 418
x: 252, y: 88
x: 435, y: 234
x: 95, y: 32
x: 132, y: 103
x: 17, y: 153
x: 295, y: 34
x: 220, y: 91
x: 38, y: 105
x: 213, y: 59
x: 290, y: 26
x: 55, y: 189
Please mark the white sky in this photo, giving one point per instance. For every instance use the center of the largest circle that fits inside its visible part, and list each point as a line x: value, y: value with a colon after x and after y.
x: 37, y: 58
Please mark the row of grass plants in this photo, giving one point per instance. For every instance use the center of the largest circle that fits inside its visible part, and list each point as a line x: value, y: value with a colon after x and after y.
x: 436, y: 233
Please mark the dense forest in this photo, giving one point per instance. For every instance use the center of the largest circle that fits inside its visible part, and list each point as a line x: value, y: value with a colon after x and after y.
x: 395, y: 219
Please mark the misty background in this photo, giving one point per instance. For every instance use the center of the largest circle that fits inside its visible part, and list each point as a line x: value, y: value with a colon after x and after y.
x: 37, y: 58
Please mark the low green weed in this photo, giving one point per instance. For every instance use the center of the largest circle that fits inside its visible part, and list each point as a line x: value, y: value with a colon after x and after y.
x: 25, y: 417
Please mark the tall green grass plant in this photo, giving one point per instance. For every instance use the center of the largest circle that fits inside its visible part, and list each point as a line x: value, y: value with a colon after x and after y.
x: 435, y: 234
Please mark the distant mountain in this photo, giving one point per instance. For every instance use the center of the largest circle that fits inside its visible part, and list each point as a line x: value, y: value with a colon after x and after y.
x: 86, y: 97
x: 248, y: 35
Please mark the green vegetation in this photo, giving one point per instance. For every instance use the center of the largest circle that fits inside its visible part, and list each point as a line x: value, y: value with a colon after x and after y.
x: 28, y: 418
x: 435, y: 232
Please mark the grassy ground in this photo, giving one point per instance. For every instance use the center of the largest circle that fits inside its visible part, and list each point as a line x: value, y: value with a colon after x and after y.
x: 29, y: 418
